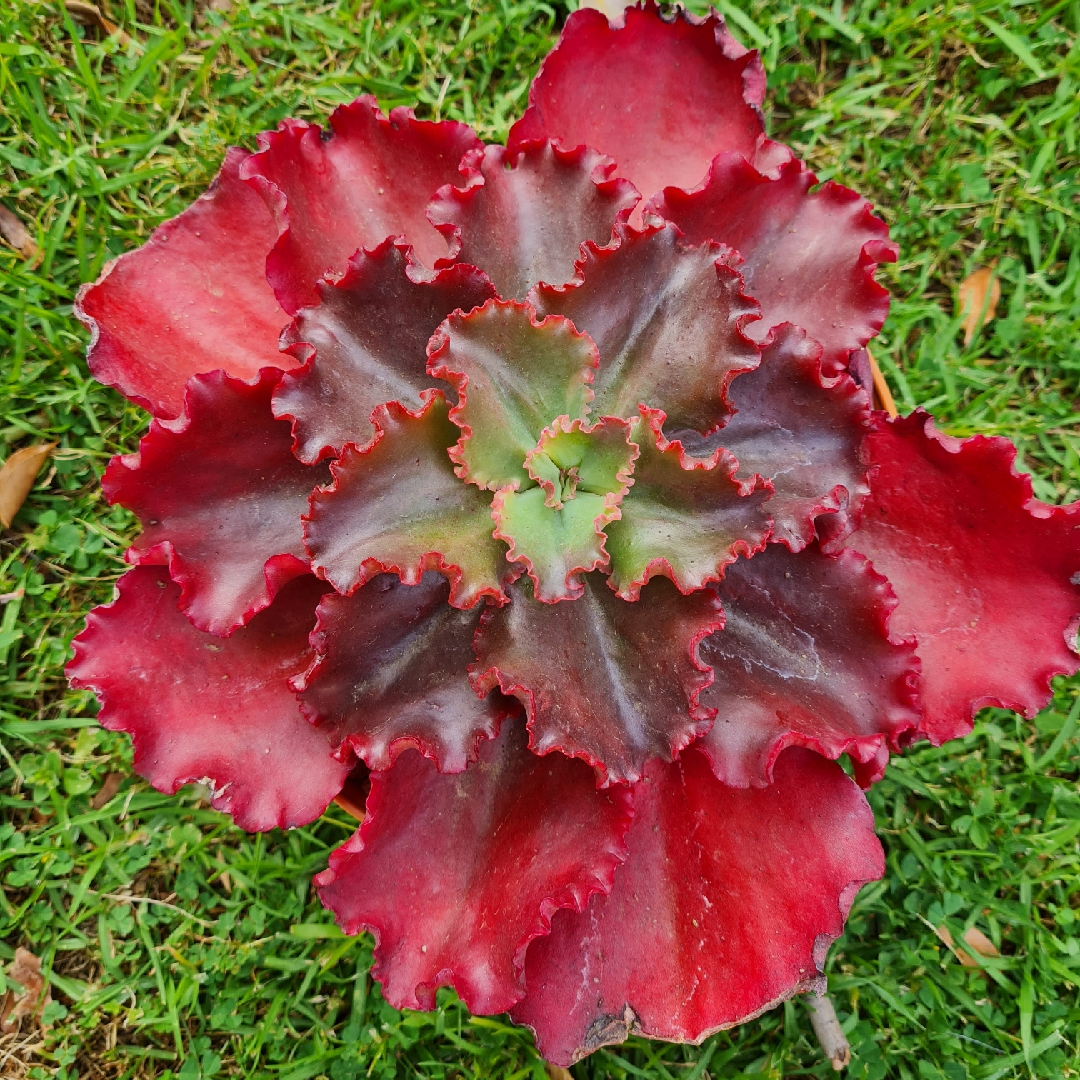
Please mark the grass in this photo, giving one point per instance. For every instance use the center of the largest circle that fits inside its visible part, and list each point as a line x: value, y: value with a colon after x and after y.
x: 176, y: 945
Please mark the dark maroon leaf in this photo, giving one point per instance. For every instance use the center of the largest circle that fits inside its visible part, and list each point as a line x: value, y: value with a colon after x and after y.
x: 369, y: 336
x: 800, y: 431
x: 668, y: 322
x: 810, y: 257
x: 526, y: 222
x: 205, y: 708
x: 986, y: 575
x: 455, y: 875
x: 193, y: 299
x: 601, y: 679
x: 220, y: 496
x: 392, y: 673
x: 367, y: 178
x: 806, y: 658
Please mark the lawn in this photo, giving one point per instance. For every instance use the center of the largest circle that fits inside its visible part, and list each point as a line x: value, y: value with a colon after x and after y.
x: 176, y: 945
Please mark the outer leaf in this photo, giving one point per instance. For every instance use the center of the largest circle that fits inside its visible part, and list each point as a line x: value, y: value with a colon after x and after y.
x: 369, y: 338
x: 193, y: 299
x: 456, y: 875
x: 662, y: 98
x: 668, y: 322
x: 556, y: 546
x: 806, y: 659
x: 684, y: 519
x: 810, y: 258
x: 800, y: 431
x: 526, y: 221
x: 202, y: 708
x: 334, y: 192
x: 513, y: 377
x: 399, y: 507
x: 391, y: 673
x: 986, y: 576
x: 220, y: 497
x: 611, y: 682
x: 727, y: 905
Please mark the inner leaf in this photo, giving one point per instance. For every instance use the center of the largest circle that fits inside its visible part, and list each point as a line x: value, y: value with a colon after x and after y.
x: 570, y: 457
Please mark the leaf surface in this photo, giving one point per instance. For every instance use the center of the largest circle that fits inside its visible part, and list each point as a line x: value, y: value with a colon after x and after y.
x: 985, y: 575
x: 199, y: 707
x: 220, y: 497
x: 194, y: 298
x: 810, y: 256
x: 601, y: 679
x: 391, y: 672
x: 367, y: 178
x: 662, y: 97
x: 805, y: 658
x: 800, y: 431
x: 684, y: 519
x: 668, y: 324
x: 514, y: 376
x: 726, y: 906
x: 369, y: 334
x: 527, y: 220
x: 455, y: 875
x: 398, y: 507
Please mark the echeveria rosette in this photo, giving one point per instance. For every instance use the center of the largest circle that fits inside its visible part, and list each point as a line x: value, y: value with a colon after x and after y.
x: 540, y: 483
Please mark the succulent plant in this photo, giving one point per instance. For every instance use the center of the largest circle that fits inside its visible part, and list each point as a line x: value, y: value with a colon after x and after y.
x: 537, y: 490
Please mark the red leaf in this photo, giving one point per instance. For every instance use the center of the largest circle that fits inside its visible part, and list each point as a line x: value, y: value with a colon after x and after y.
x: 193, y: 299
x: 205, y: 708
x: 810, y: 258
x: 667, y: 321
x: 525, y: 222
x: 607, y: 681
x: 398, y: 507
x: 986, y: 575
x: 726, y: 906
x: 455, y: 875
x: 684, y: 519
x: 805, y: 659
x: 335, y: 192
x: 800, y: 431
x: 391, y: 673
x: 661, y: 97
x: 220, y: 497
x: 369, y: 336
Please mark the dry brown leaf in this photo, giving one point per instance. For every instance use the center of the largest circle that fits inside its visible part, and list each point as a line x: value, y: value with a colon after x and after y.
x: 981, y: 287
x: 107, y: 792
x: 91, y: 15
x: 25, y: 970
x: 975, y: 939
x: 17, y: 476
x: 16, y: 234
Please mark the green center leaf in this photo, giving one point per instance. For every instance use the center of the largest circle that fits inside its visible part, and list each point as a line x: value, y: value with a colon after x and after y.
x: 557, y: 528
x: 570, y: 456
